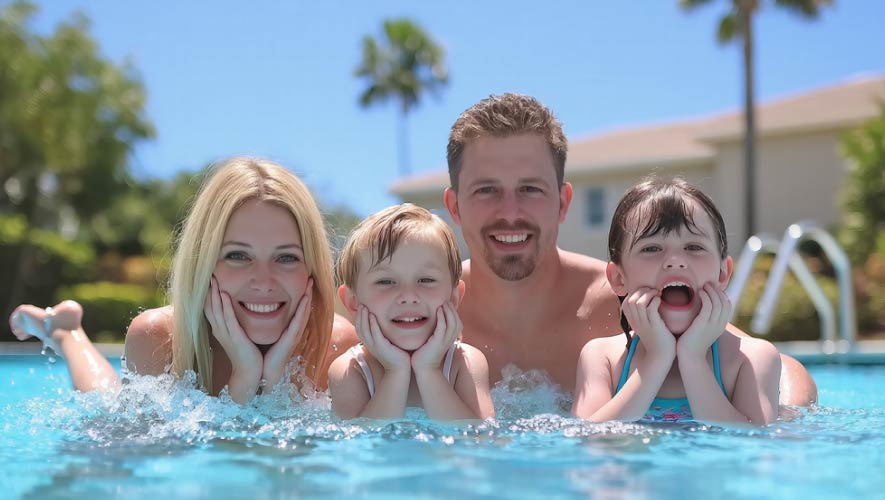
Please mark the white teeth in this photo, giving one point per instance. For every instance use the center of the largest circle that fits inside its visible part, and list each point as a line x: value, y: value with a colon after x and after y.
x: 408, y: 320
x: 262, y: 308
x: 676, y: 283
x: 511, y: 238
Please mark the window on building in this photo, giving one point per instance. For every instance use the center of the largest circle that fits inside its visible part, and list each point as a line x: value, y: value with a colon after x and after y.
x: 595, y: 214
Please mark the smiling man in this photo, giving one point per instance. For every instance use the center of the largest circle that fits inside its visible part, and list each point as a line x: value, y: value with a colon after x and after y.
x: 529, y: 302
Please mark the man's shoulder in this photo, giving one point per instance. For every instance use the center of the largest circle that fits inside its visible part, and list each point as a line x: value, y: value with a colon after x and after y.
x: 577, y: 262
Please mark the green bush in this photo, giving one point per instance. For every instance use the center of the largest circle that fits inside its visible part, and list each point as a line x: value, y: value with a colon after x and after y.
x: 108, y: 308
x: 870, y: 281
x: 56, y: 261
x: 795, y: 317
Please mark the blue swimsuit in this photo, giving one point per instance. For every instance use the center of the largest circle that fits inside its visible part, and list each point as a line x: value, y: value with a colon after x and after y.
x: 668, y: 410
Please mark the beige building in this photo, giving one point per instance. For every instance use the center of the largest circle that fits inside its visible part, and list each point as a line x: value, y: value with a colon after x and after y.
x: 800, y: 169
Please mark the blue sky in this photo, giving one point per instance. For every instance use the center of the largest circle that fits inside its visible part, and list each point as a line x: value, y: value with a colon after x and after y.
x: 275, y: 79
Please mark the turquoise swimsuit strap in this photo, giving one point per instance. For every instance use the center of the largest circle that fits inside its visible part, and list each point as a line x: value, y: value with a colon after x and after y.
x: 635, y: 342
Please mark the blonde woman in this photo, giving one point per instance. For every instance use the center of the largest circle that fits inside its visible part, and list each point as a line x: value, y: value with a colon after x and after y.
x: 251, y: 288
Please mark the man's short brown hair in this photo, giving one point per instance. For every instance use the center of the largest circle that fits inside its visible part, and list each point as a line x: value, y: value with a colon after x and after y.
x: 504, y: 116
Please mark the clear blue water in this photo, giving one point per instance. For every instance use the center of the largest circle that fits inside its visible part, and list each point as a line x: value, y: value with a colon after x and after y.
x: 162, y: 437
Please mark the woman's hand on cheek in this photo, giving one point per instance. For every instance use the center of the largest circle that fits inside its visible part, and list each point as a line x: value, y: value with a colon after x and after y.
x: 391, y: 357
x: 243, y: 354
x: 709, y: 323
x: 641, y: 308
x: 278, y: 356
x: 448, y: 328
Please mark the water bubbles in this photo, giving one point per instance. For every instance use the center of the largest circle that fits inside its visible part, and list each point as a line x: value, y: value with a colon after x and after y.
x: 334, y: 347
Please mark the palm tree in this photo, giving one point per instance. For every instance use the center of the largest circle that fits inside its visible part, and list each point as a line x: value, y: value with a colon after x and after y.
x: 738, y: 23
x: 402, y: 66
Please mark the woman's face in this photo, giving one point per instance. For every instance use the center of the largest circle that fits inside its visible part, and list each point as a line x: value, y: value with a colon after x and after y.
x: 261, y: 266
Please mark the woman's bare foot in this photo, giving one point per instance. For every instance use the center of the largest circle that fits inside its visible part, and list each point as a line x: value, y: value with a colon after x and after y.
x: 46, y: 324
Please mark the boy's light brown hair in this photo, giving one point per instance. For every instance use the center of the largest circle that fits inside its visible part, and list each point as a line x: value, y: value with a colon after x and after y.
x: 504, y: 116
x: 382, y: 233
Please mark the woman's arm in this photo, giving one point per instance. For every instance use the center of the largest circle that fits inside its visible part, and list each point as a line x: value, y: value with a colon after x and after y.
x: 148, y: 346
x: 343, y: 338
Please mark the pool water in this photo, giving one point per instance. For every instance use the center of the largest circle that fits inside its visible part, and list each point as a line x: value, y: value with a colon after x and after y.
x: 162, y: 437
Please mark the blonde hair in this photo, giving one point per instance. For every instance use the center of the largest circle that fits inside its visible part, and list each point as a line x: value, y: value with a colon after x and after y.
x: 228, y: 185
x: 381, y: 234
x: 504, y: 116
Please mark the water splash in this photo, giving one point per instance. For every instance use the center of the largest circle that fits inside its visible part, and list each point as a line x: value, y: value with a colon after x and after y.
x: 521, y: 394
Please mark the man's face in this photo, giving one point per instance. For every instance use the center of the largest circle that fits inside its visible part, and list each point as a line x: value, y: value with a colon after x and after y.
x: 509, y: 204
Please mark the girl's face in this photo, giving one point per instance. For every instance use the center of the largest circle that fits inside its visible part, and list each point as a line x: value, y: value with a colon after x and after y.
x: 261, y: 266
x: 677, y: 265
x: 405, y: 291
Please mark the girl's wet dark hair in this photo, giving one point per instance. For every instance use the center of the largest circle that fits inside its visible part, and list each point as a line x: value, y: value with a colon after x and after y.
x: 664, y: 206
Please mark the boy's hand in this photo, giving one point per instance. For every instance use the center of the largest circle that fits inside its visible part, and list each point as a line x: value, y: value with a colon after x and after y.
x: 448, y: 327
x: 391, y: 357
x: 641, y: 308
x: 277, y: 357
x: 709, y: 323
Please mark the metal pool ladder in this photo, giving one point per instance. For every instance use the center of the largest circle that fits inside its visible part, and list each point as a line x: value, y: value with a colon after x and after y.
x: 833, y: 340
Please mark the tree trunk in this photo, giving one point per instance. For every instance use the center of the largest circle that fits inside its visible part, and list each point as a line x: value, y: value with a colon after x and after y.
x: 750, y: 183
x: 24, y: 260
x: 403, y: 133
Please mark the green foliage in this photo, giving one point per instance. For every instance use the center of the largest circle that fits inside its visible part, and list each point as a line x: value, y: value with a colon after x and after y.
x: 730, y: 28
x: 340, y: 221
x: 863, y: 194
x: 54, y: 259
x: 12, y: 229
x: 870, y: 283
x: 795, y: 317
x: 69, y: 118
x: 109, y: 307
x: 403, y: 65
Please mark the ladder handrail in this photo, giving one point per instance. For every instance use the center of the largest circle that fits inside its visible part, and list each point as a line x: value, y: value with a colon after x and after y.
x: 786, y: 255
x: 768, y: 244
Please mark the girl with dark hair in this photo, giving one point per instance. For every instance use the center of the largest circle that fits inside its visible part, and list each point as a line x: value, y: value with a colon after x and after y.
x: 670, y: 264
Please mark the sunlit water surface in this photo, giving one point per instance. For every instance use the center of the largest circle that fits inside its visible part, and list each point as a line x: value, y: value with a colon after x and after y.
x: 160, y: 436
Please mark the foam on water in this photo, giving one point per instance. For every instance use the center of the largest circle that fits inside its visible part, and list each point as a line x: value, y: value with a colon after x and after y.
x: 159, y: 433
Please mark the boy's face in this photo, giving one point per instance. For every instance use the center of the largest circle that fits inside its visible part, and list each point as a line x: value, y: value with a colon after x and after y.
x: 405, y: 291
x: 677, y: 265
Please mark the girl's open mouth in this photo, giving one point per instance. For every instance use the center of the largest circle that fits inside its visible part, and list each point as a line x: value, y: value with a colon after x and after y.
x: 677, y: 295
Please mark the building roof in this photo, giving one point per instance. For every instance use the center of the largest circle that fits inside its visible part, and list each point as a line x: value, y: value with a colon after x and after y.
x: 693, y: 141
x: 846, y: 104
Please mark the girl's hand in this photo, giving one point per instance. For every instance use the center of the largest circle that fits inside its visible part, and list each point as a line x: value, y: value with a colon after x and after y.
x: 219, y: 311
x: 278, y: 356
x: 448, y: 327
x: 709, y: 323
x: 391, y: 357
x: 641, y: 308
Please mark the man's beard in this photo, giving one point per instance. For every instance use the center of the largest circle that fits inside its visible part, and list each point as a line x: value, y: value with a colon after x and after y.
x: 511, y: 267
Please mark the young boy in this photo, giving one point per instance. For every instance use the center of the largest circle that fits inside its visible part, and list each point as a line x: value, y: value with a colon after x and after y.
x: 400, y: 273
